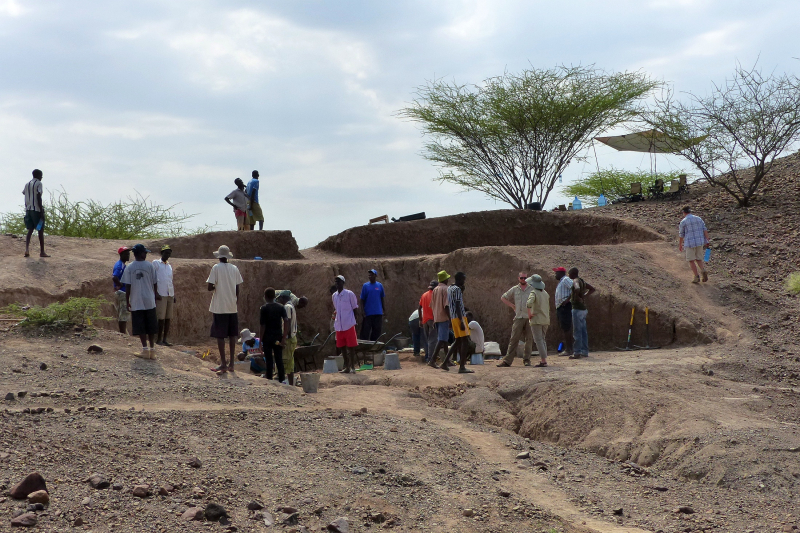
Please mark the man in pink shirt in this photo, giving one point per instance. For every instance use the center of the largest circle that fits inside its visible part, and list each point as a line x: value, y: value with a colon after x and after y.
x: 344, y: 305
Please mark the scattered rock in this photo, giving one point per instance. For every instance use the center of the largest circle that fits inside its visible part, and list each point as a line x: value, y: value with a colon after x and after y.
x: 117, y: 486
x: 193, y: 513
x: 215, y: 511
x: 288, y: 509
x: 24, y: 520
x: 618, y: 512
x: 194, y: 462
x: 22, y: 394
x: 95, y: 348
x: 87, y: 501
x: 363, y: 409
x: 31, y: 483
x: 340, y: 525
x: 43, y: 366
x: 165, y: 490
x: 10, y: 396
x: 289, y: 519
x: 359, y: 470
x: 255, y: 506
x: 524, y: 455
x: 377, y: 517
x: 684, y: 509
x: 78, y: 522
x: 141, y: 491
x: 98, y: 481
x: 468, y: 512
x: 39, y: 496
x: 505, y: 493
x: 268, y: 520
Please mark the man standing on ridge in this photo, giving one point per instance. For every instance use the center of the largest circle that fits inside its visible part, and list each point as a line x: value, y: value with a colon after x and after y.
x: 517, y: 299
x: 693, y: 239
x: 224, y: 280
x: 580, y: 290
x: 372, y: 303
x: 255, y: 213
x: 123, y: 315
x: 164, y: 306
x: 564, y: 307
x: 344, y: 305
x: 238, y: 200
x: 34, y: 212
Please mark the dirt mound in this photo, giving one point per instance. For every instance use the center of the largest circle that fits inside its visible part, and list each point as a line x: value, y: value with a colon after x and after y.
x: 243, y: 245
x: 487, y: 228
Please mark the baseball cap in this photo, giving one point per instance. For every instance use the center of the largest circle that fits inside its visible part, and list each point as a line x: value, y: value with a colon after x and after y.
x: 340, y: 277
x: 165, y: 248
x: 140, y: 248
x: 559, y: 269
x: 122, y: 249
x: 373, y: 271
x: 285, y: 294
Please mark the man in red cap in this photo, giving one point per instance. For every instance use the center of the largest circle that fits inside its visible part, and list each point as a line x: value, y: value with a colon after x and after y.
x: 564, y: 307
x: 123, y: 315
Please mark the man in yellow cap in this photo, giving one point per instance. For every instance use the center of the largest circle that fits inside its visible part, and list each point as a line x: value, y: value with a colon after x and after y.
x: 441, y: 316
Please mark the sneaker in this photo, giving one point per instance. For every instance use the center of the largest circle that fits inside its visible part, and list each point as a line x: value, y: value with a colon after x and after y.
x: 705, y: 276
x: 526, y: 363
x: 144, y: 353
x: 696, y: 279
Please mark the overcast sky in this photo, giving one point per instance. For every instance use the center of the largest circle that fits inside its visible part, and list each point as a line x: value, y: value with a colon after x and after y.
x: 176, y: 99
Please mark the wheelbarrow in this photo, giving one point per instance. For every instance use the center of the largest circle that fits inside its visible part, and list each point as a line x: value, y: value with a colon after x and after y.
x: 308, y: 358
x: 368, y: 349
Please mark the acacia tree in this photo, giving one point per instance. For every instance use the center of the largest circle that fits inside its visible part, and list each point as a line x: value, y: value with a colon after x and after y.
x: 745, y: 124
x: 512, y: 136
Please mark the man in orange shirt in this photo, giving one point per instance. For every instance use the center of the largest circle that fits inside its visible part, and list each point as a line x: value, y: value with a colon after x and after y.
x: 426, y: 320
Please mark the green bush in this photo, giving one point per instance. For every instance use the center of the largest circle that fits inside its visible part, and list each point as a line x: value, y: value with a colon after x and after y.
x: 614, y: 183
x: 73, y: 312
x: 793, y: 283
x: 137, y: 217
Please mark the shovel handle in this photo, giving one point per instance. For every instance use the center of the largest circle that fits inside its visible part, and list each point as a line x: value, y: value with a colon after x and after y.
x: 633, y: 310
x: 647, y: 316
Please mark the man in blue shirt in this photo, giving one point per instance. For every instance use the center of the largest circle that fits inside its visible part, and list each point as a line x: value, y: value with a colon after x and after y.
x: 123, y: 315
x: 255, y: 213
x: 372, y: 303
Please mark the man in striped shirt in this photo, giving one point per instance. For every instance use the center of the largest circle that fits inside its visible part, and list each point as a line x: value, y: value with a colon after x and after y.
x: 34, y: 212
x: 458, y: 321
x: 564, y: 307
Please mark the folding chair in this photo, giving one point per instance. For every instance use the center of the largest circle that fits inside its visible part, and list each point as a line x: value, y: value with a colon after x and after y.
x: 674, y: 190
x: 636, y: 192
x: 683, y: 183
x: 656, y: 192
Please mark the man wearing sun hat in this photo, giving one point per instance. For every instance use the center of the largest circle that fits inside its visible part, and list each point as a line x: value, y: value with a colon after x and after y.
x: 166, y: 289
x: 141, y: 293
x: 372, y: 303
x: 224, y: 280
x: 539, y: 315
x: 440, y: 305
x: 564, y: 307
x: 123, y: 315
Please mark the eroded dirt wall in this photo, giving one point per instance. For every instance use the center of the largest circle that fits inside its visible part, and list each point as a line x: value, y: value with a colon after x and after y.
x: 243, y: 245
x: 487, y: 228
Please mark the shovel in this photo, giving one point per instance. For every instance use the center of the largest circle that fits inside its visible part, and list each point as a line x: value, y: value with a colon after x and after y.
x: 627, y: 347
x: 647, y: 331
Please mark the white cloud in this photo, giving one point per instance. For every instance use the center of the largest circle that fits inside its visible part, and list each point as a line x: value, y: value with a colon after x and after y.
x: 11, y: 8
x: 724, y: 41
x: 473, y: 19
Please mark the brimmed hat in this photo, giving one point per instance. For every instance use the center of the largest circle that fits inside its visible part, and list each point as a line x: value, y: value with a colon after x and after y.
x: 223, y: 251
x: 442, y: 276
x: 341, y: 278
x: 560, y: 269
x: 536, y: 281
x: 165, y: 248
x: 245, y: 335
x: 122, y: 249
x: 140, y: 248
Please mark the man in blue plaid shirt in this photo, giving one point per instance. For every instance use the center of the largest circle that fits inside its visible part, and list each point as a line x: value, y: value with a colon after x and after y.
x: 693, y: 239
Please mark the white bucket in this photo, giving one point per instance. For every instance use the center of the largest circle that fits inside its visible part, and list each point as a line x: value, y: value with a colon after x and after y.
x: 310, y: 381
x: 339, y: 362
x: 330, y: 367
x: 379, y: 358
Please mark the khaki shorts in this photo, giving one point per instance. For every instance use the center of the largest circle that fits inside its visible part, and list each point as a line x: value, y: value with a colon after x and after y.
x: 242, y: 223
x: 258, y: 215
x: 288, y: 355
x: 695, y: 253
x: 164, y: 307
x: 123, y: 315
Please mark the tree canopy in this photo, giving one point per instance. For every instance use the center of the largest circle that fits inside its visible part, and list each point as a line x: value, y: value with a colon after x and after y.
x: 513, y: 135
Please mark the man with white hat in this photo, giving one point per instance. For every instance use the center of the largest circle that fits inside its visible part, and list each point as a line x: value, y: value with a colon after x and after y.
x: 345, y: 304
x: 224, y: 281
x: 251, y: 349
x: 539, y: 315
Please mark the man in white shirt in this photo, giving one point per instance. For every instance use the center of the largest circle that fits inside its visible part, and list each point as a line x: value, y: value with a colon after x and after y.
x: 166, y: 290
x: 475, y: 332
x: 345, y: 304
x: 285, y: 298
x: 34, y: 212
x: 517, y: 298
x: 141, y: 294
x: 224, y: 280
